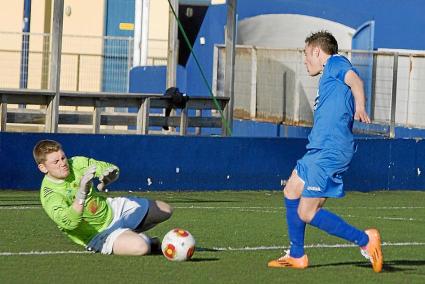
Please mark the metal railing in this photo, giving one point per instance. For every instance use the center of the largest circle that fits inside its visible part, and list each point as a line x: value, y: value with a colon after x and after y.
x: 273, y: 85
x: 89, y: 63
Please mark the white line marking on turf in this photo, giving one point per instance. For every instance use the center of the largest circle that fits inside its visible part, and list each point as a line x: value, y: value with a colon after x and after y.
x: 43, y: 252
x: 383, y: 218
x: 313, y: 246
x: 19, y: 207
x: 281, y: 208
x: 218, y: 248
x: 2, y: 207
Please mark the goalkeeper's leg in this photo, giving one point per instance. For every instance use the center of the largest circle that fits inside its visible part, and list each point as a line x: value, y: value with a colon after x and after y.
x: 131, y: 243
x: 158, y: 212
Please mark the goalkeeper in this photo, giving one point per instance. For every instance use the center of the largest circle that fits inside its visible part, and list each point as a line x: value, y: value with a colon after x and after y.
x: 106, y: 225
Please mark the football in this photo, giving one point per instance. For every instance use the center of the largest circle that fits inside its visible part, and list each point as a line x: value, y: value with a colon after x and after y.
x: 178, y: 245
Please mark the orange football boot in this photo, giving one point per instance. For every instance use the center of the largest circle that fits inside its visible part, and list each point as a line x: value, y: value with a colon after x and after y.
x: 288, y: 261
x: 373, y: 251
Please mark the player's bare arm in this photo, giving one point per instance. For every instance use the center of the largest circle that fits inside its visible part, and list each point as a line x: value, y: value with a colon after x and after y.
x: 356, y: 85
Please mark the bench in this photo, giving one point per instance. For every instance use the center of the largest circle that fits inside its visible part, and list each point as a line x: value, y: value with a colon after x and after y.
x: 99, y: 112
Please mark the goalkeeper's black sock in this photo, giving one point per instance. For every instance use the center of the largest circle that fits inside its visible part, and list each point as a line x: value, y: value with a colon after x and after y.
x: 155, y: 245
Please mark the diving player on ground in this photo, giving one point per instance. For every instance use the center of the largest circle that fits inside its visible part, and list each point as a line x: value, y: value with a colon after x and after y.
x: 106, y: 225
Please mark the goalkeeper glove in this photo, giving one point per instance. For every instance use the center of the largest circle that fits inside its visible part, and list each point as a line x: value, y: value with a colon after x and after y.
x: 85, y: 184
x: 108, y: 176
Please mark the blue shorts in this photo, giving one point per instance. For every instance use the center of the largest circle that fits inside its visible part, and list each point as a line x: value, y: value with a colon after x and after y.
x: 322, y: 170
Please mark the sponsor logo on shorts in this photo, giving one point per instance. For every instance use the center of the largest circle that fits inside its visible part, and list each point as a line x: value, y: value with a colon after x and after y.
x: 313, y: 188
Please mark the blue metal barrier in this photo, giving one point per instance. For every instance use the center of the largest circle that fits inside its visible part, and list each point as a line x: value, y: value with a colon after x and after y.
x: 149, y: 162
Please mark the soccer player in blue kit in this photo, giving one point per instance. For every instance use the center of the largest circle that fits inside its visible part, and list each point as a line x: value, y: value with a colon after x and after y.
x: 318, y: 174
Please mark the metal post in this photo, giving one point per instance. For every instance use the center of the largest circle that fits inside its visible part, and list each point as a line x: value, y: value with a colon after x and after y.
x: 45, y: 61
x: 46, y: 44
x: 373, y: 95
x: 172, y: 54
x: 77, y: 87
x: 23, y: 81
x: 253, y: 99
x: 229, y: 81
x: 55, y: 66
x: 130, y: 51
x: 284, y: 97
x: 3, y: 112
x: 173, y: 49
x: 394, y: 96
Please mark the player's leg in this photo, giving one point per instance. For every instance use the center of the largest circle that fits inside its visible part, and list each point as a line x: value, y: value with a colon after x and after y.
x: 131, y: 243
x: 310, y: 211
x: 296, y: 257
x: 325, y: 180
x: 308, y: 207
x: 325, y: 174
x: 296, y: 226
x: 120, y: 237
x: 158, y: 212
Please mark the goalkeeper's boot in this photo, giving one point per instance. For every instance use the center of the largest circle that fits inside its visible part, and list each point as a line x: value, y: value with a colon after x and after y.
x: 288, y: 261
x: 372, y: 250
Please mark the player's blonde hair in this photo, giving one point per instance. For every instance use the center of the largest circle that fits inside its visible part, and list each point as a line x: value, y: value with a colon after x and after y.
x: 323, y: 39
x: 44, y: 147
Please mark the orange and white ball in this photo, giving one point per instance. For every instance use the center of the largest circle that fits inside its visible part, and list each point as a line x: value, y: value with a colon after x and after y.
x: 178, y: 245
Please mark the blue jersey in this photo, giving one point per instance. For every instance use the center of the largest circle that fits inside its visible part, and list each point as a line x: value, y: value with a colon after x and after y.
x: 333, y: 108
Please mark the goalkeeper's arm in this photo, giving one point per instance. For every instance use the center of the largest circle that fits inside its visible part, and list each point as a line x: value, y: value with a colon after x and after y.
x: 85, y: 185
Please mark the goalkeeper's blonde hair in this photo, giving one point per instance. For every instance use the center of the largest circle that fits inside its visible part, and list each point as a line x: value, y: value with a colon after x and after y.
x: 44, y: 147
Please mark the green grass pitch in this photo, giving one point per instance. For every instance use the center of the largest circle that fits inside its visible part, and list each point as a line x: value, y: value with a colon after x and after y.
x: 236, y: 233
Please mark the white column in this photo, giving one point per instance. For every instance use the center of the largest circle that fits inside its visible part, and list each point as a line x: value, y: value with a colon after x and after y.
x: 137, y: 32
x: 145, y: 33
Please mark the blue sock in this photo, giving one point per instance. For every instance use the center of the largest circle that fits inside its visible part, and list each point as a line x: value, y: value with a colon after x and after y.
x: 336, y: 226
x: 296, y: 227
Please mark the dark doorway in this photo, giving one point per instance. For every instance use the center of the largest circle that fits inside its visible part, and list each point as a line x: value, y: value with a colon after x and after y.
x: 191, y: 18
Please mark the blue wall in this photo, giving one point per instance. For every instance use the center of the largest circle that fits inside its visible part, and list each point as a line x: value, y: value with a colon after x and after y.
x: 212, y: 163
x: 153, y: 79
x: 212, y: 30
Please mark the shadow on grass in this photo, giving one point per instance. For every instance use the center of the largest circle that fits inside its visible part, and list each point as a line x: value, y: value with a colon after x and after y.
x: 207, y: 249
x: 203, y: 259
x: 19, y: 201
x: 389, y: 266
x: 19, y: 198
x: 192, y: 200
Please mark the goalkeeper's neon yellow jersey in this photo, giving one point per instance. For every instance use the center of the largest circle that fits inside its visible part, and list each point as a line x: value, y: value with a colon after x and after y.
x: 57, y: 198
